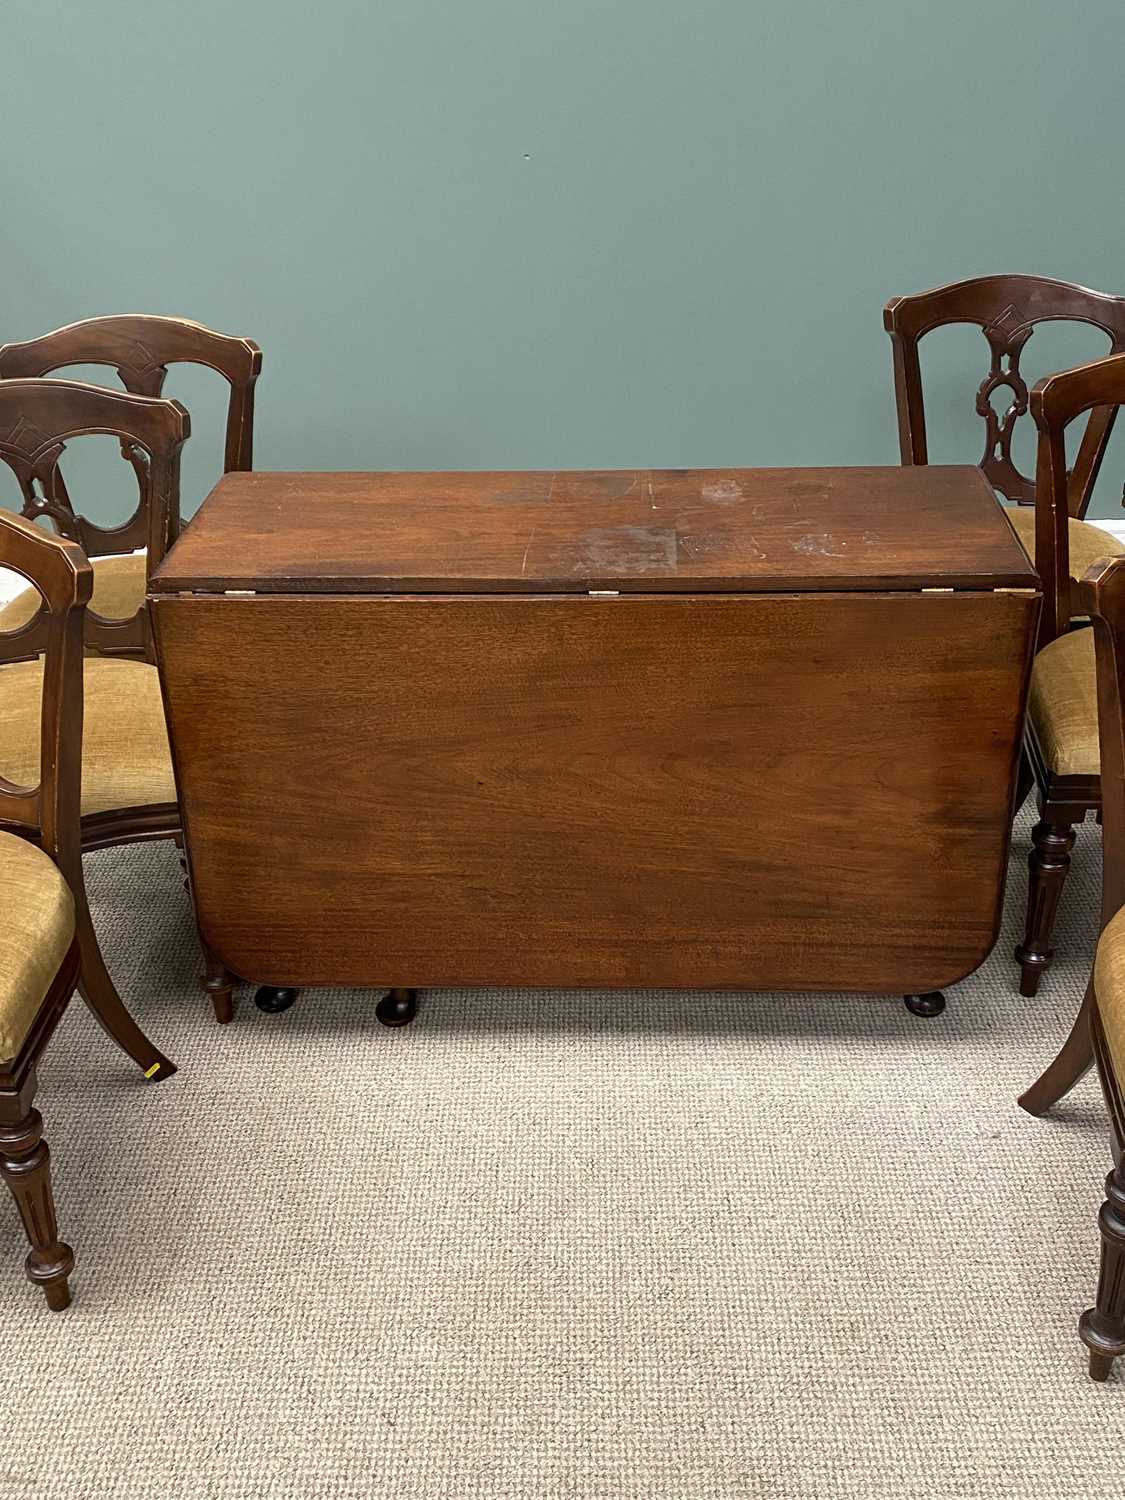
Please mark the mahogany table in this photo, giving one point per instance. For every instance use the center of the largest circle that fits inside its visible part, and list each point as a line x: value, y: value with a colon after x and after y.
x: 740, y: 729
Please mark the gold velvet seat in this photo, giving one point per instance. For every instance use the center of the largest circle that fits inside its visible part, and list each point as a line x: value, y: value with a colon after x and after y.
x: 125, y: 756
x: 119, y: 592
x: 1062, y: 705
x: 1088, y: 543
x: 37, y: 931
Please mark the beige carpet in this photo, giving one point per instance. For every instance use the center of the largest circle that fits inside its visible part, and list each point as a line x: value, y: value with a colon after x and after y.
x: 563, y: 1245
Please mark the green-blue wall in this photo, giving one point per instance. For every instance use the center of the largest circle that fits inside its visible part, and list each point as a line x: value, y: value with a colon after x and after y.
x: 477, y: 233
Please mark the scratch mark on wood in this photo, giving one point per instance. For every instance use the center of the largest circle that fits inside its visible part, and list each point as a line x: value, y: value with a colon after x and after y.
x: 722, y: 492
x: 823, y: 544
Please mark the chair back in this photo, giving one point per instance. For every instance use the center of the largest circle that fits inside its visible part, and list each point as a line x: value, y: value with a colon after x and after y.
x: 58, y: 570
x: 140, y: 348
x: 1006, y: 309
x: 37, y: 417
x: 1056, y: 401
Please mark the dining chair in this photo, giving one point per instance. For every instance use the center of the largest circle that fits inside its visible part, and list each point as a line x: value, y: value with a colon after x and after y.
x: 1099, y: 1031
x: 128, y: 792
x: 1067, y: 705
x: 1007, y: 310
x: 45, y: 948
x: 140, y: 348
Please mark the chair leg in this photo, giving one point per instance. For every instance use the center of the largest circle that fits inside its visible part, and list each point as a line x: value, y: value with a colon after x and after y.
x: 218, y: 982
x: 1025, y: 780
x: 1075, y: 1059
x: 1047, y: 866
x: 1102, y: 1327
x: 25, y: 1163
x: 100, y: 994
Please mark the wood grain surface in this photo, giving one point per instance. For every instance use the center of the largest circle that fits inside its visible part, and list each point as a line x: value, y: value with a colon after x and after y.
x: 676, y: 530
x: 747, y: 792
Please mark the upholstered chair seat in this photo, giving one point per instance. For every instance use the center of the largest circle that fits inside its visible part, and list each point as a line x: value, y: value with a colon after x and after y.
x: 36, y: 932
x: 1088, y: 544
x: 119, y: 592
x: 1062, y: 705
x: 125, y: 757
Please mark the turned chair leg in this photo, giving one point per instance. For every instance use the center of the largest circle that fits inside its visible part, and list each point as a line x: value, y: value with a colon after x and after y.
x: 1047, y: 866
x: 1102, y: 1327
x: 1075, y: 1059
x: 25, y: 1163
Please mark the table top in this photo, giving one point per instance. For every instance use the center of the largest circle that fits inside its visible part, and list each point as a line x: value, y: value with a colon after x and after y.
x: 636, y: 530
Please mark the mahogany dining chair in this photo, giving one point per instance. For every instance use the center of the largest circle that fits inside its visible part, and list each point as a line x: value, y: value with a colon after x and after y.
x: 128, y: 792
x: 46, y: 945
x: 1067, y: 706
x: 1099, y: 1032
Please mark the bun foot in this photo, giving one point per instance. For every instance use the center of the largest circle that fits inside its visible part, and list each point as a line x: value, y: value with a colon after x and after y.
x: 272, y: 1000
x: 925, y: 1005
x: 397, y: 1008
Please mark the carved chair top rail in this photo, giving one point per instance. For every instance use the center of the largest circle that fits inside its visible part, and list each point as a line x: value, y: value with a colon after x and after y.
x: 59, y: 570
x: 1010, y: 304
x: 38, y: 416
x: 1057, y: 399
x: 136, y: 344
x: 140, y: 347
